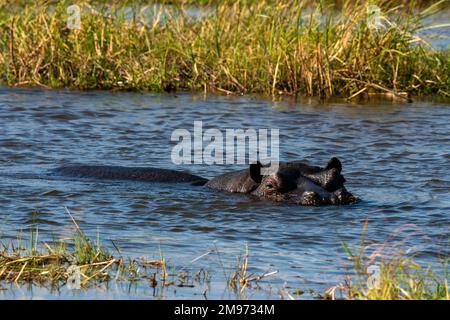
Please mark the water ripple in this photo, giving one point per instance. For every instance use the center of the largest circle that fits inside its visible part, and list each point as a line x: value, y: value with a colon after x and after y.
x: 395, y: 158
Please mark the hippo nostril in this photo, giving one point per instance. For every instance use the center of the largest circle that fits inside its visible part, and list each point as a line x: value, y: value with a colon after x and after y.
x: 311, y: 198
x: 334, y: 199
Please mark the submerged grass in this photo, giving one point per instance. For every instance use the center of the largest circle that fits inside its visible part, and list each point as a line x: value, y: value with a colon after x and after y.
x: 80, y: 263
x: 290, y: 47
x: 53, y: 263
x: 77, y: 262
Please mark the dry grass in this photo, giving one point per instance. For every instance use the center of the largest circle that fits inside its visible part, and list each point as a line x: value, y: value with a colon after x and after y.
x: 290, y: 47
x: 80, y: 263
x: 392, y: 276
x: 75, y: 261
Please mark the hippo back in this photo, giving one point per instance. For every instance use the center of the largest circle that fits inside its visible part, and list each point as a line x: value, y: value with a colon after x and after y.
x: 129, y: 173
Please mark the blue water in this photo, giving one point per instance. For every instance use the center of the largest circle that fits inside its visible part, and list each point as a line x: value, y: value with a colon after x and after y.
x: 395, y: 157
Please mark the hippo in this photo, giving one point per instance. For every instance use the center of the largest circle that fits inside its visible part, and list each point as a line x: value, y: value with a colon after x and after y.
x: 293, y: 182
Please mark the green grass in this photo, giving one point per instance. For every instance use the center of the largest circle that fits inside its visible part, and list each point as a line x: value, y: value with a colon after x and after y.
x: 399, y: 277
x: 80, y: 261
x: 285, y: 48
x: 41, y: 263
x: 55, y: 263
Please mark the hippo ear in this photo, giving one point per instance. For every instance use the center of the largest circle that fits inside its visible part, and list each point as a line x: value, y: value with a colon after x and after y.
x: 255, y: 172
x: 334, y: 163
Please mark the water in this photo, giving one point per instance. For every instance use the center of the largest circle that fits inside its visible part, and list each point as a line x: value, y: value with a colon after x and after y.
x: 438, y: 34
x: 395, y: 157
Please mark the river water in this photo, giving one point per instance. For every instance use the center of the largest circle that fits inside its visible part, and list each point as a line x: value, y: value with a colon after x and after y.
x: 395, y: 157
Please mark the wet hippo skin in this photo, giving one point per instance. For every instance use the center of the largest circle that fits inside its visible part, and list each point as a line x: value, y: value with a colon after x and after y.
x: 294, y: 182
x: 129, y: 173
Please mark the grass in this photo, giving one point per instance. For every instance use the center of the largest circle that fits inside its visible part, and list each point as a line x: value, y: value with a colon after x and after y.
x: 241, y: 279
x: 50, y: 263
x: 79, y: 262
x: 396, y: 276
x: 291, y: 47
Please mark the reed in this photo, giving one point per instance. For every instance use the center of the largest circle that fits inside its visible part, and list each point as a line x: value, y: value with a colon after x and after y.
x: 52, y: 263
x: 291, y: 47
x: 79, y: 262
x: 388, y: 273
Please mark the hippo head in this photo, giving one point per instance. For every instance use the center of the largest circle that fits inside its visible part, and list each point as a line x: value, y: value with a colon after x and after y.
x: 296, y: 182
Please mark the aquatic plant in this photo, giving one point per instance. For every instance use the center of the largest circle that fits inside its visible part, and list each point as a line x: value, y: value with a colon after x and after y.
x: 392, y: 276
x: 78, y: 262
x: 50, y: 263
x: 289, y: 47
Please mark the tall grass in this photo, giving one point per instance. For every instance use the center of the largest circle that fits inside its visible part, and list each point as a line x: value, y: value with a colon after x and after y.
x: 289, y: 47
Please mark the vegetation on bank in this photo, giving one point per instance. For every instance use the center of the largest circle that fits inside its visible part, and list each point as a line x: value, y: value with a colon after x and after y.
x: 386, y: 273
x: 79, y: 262
x: 289, y: 47
x: 210, y: 3
x: 397, y: 278
x: 82, y: 263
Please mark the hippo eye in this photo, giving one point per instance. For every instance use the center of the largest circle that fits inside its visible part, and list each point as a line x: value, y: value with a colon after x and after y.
x: 270, y: 186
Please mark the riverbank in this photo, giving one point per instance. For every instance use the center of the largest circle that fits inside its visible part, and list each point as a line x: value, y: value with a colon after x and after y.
x: 283, y: 48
